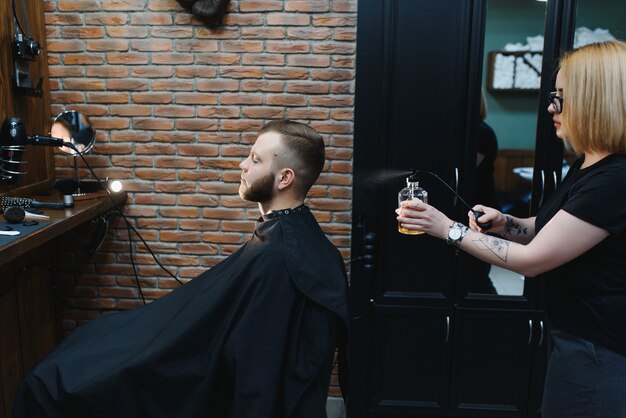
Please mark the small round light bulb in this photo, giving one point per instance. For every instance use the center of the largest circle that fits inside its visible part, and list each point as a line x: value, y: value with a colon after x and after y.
x: 116, y: 186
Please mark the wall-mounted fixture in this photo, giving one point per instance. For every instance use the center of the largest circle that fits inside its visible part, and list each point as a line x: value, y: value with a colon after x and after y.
x: 25, y: 49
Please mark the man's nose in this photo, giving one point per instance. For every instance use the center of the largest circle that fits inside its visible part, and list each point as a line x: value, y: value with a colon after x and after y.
x: 243, y: 164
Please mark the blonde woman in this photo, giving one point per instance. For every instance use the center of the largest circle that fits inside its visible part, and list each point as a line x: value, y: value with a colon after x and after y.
x: 577, y: 242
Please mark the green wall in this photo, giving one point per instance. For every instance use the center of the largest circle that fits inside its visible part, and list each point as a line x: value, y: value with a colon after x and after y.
x: 513, y: 116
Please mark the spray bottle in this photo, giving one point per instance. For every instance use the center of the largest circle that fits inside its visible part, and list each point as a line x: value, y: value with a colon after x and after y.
x: 411, y: 191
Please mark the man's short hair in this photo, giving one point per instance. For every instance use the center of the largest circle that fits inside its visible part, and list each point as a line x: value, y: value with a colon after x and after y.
x: 305, y: 149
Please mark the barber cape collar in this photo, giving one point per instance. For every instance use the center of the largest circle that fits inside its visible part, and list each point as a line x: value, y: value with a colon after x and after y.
x: 282, y: 212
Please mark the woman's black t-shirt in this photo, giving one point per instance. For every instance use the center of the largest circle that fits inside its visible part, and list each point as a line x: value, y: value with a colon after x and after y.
x: 587, y: 296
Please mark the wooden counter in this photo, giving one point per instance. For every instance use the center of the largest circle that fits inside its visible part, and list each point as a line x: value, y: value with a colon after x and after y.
x: 62, y: 220
x: 30, y: 322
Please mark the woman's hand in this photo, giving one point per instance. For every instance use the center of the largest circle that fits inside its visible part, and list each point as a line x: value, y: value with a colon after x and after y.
x: 498, y: 220
x: 417, y: 215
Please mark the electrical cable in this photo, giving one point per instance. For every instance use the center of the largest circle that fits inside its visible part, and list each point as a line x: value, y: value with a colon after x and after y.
x: 16, y: 20
x: 477, y: 213
x: 128, y: 223
x: 132, y: 262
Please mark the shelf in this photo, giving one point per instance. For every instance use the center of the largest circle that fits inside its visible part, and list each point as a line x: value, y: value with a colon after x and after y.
x: 514, y: 71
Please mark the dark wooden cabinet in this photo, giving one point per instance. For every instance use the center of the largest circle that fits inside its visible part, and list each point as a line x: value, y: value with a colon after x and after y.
x: 424, y: 343
x: 29, y: 323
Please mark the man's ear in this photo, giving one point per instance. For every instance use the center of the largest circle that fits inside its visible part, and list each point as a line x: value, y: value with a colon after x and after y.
x: 286, y: 178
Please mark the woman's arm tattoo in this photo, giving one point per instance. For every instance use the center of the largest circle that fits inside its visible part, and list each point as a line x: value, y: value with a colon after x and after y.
x: 498, y: 246
x: 513, y: 228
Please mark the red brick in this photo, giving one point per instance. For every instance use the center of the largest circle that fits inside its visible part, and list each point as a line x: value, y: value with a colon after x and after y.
x: 262, y: 86
x: 110, y: 149
x: 196, y: 46
x: 203, y: 150
x: 72, y: 32
x: 286, y: 100
x: 164, y: 5
x: 82, y: 59
x: 107, y: 71
x: 191, y: 71
x: 155, y: 174
x: 78, y: 5
x: 219, y: 112
x: 155, y: 98
x: 260, y: 6
x: 263, y: 59
x: 339, y: 21
x: 216, y: 33
x: 217, y: 85
x: 241, y: 46
x: 196, y: 124
x: 200, y: 249
x: 83, y: 84
x: 172, y: 32
x: 307, y: 6
x: 125, y: 5
x: 332, y: 75
x: 105, y: 97
x: 264, y: 112
x: 152, y: 45
x: 153, y: 123
x: 130, y: 110
x: 332, y: 101
x: 196, y: 98
x: 174, y: 111
x: 203, y: 175
x: 65, y: 46
x: 343, y: 62
x: 307, y: 87
x: 241, y: 99
x: 151, y: 19
x: 128, y: 85
x: 171, y: 85
x: 106, y: 19
x: 262, y: 33
x: 307, y: 113
x: 175, y: 162
x: 287, y: 19
x: 310, y: 33
x: 198, y: 200
x: 63, y: 19
x: 243, y: 19
x: 152, y: 72
x: 345, y: 34
x: 179, y: 236
x: 127, y: 32
x: 287, y: 73
x: 175, y: 187
x: 289, y: 47
x: 217, y: 59
x: 127, y: 59
x: 174, y: 137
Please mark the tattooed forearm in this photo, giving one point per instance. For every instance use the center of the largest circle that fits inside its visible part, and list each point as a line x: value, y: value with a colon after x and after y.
x: 498, y: 246
x: 513, y: 228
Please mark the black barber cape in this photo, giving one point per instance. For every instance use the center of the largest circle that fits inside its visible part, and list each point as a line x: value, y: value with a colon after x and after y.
x: 253, y: 336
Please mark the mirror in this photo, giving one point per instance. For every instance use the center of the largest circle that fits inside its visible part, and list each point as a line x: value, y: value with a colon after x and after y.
x: 73, y: 127
x: 513, y: 46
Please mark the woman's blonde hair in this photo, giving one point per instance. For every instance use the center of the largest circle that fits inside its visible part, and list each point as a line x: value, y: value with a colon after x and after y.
x: 594, y: 91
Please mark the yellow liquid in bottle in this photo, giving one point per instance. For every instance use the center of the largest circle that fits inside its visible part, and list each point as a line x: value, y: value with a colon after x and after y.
x: 406, y: 231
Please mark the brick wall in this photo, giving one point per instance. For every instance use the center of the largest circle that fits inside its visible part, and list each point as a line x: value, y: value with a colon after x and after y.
x: 176, y: 104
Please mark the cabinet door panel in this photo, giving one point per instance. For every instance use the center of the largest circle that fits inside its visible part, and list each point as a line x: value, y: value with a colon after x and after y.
x: 492, y: 362
x: 413, y: 353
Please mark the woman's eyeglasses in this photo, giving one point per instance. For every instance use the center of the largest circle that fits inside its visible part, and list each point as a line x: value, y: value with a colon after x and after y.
x: 556, y: 102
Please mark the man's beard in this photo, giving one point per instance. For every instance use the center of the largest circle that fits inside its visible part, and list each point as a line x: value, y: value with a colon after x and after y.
x: 262, y: 190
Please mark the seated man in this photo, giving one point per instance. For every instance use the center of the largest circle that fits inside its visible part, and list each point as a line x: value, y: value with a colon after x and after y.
x: 254, y: 336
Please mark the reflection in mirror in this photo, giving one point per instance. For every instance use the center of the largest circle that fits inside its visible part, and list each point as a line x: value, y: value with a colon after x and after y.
x: 507, y: 130
x: 73, y: 127
x: 599, y: 20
